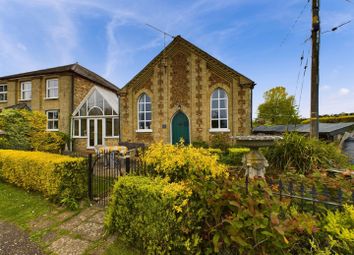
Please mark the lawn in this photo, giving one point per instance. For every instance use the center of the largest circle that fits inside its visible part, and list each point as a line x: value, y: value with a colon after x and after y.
x: 21, y: 207
x: 118, y: 248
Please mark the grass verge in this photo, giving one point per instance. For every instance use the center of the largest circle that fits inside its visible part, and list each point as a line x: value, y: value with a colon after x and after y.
x: 21, y: 207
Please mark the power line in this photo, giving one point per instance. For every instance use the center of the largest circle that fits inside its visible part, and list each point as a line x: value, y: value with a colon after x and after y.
x: 330, y: 30
x: 294, y: 24
x: 335, y: 28
x: 303, y: 79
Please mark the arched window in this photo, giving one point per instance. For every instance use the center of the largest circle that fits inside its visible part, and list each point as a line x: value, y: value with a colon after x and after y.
x: 219, y: 109
x: 144, y: 112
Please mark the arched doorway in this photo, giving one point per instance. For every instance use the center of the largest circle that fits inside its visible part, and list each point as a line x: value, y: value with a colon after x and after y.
x: 180, y: 128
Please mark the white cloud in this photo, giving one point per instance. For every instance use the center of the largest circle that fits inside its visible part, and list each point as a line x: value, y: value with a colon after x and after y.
x: 325, y: 88
x: 344, y: 92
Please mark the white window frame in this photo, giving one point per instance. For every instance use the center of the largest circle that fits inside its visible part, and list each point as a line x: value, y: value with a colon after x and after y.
x: 80, y: 135
x: 145, y: 129
x: 49, y: 87
x: 23, y: 90
x: 4, y: 92
x: 52, y: 120
x: 219, y: 109
x: 113, y: 126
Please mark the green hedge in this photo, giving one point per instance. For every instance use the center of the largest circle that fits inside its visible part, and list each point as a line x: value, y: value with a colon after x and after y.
x: 149, y: 214
x: 332, y: 119
x: 61, y: 178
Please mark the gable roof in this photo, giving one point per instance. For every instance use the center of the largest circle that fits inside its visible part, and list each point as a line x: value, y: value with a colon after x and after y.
x: 180, y: 40
x: 75, y: 68
x: 109, y: 96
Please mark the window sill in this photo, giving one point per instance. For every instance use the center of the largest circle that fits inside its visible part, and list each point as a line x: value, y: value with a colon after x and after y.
x: 80, y: 137
x: 51, y: 98
x: 25, y: 100
x: 3, y: 101
x: 143, y: 131
x: 219, y: 130
x: 52, y: 130
x: 112, y: 137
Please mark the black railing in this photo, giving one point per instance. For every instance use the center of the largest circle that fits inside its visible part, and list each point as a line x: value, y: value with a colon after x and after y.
x: 309, y: 197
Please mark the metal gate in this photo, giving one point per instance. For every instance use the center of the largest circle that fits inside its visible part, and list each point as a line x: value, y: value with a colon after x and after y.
x: 104, y: 169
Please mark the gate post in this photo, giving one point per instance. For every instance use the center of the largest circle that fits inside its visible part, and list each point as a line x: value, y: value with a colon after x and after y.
x: 127, y: 164
x: 89, y: 172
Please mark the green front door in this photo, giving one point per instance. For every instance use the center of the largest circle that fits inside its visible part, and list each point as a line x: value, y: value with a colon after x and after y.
x: 180, y: 128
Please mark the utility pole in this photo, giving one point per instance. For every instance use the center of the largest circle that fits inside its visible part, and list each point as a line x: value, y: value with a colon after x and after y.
x: 315, y: 68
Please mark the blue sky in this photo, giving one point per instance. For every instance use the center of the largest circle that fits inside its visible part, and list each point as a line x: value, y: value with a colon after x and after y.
x: 110, y: 37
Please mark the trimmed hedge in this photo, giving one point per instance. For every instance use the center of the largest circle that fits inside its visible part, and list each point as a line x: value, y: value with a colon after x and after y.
x: 60, y: 178
x: 149, y: 214
x: 333, y: 119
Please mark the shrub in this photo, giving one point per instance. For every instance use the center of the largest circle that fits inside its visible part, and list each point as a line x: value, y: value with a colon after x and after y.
x: 303, y: 154
x: 182, y: 162
x: 148, y: 213
x: 337, y: 236
x: 220, y: 141
x: 60, y: 178
x: 233, y: 156
x: 27, y: 130
x: 200, y: 144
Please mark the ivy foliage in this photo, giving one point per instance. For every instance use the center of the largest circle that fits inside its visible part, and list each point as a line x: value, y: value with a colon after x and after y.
x: 26, y: 130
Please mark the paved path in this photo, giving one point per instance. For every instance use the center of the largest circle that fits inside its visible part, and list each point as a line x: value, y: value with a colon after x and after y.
x: 58, y: 232
x: 14, y: 241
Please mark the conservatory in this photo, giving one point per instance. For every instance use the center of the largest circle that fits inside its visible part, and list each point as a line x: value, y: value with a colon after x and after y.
x: 95, y: 121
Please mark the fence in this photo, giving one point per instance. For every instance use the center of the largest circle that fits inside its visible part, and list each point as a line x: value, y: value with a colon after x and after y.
x: 309, y: 198
x: 105, y: 168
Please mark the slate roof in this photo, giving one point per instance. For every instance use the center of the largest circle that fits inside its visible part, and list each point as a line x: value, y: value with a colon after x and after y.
x: 19, y: 106
x: 324, y: 128
x: 75, y: 68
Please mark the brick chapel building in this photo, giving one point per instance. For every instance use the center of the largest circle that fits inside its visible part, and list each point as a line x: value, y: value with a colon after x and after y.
x: 182, y: 93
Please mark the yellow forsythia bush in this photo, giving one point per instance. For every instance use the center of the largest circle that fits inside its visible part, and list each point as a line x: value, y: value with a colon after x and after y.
x: 60, y: 178
x: 180, y: 162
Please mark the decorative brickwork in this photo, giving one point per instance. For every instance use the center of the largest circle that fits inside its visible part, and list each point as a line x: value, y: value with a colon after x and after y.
x: 146, y: 85
x: 125, y: 108
x: 216, y: 79
x: 199, y: 96
x: 180, y: 89
x: 160, y: 89
x: 241, y: 103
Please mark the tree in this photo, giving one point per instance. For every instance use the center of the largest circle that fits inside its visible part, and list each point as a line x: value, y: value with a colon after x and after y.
x: 26, y: 130
x: 278, y: 108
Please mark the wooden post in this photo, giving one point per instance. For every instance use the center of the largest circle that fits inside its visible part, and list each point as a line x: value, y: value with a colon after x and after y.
x: 315, y: 68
